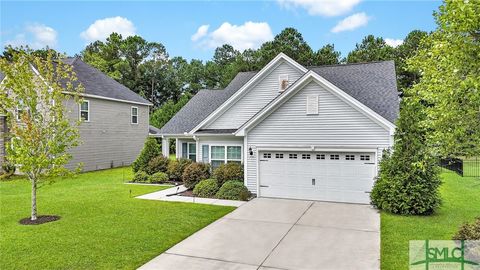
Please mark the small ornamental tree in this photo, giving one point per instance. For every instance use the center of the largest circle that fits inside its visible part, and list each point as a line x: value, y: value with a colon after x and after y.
x: 408, y: 181
x: 150, y: 150
x: 32, y: 96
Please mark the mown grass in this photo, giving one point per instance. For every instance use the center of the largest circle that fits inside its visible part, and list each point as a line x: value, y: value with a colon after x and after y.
x: 461, y: 203
x: 102, y: 225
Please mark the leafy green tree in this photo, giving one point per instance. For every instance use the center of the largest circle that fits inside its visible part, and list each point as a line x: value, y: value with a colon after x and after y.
x: 150, y: 150
x: 408, y: 180
x: 406, y: 78
x: 225, y: 55
x: 163, y: 114
x: 327, y: 56
x: 39, y: 123
x: 448, y: 60
x: 371, y: 49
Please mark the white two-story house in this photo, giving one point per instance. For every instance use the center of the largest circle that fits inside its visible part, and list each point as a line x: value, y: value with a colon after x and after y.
x: 300, y: 132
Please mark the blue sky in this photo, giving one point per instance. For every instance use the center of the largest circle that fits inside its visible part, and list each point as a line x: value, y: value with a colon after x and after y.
x: 68, y: 26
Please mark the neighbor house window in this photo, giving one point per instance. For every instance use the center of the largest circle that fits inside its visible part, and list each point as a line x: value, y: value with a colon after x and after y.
x: 20, y: 110
x: 225, y: 154
x: 85, y: 111
x: 134, y: 115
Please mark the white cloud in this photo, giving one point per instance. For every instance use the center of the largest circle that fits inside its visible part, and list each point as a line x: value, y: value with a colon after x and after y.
x: 249, y: 35
x: 101, y: 29
x: 394, y: 42
x: 351, y: 22
x: 36, y: 36
x: 328, y: 8
x: 201, y: 32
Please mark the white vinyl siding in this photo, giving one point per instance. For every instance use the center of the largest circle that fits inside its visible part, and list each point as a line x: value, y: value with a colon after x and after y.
x: 337, y: 125
x: 312, y: 104
x: 256, y: 98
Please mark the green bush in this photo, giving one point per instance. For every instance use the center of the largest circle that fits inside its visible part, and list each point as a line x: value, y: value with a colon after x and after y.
x: 195, y: 173
x: 408, y: 180
x: 8, y: 169
x: 150, y: 150
x: 469, y: 231
x: 229, y: 171
x: 158, y: 177
x: 206, y: 188
x: 157, y: 164
x: 177, y: 167
x: 233, y: 190
x: 140, y: 177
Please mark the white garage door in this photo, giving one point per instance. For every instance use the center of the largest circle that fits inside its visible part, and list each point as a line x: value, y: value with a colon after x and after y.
x: 324, y: 176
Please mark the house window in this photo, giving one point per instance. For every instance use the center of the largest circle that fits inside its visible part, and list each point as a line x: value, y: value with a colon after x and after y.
x: 320, y: 156
x: 278, y: 155
x: 312, y: 104
x: 334, y: 157
x: 225, y: 154
x: 192, y: 151
x: 282, y: 83
x: 85, y: 111
x: 134, y: 115
x: 364, y: 157
x: 349, y: 157
x: 267, y: 155
x: 292, y: 156
x: 305, y: 156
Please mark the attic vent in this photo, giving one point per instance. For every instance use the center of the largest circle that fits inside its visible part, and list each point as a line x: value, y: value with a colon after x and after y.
x: 312, y: 104
x: 282, y: 82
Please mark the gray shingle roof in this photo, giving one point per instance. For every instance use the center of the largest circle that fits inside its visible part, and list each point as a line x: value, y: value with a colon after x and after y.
x: 202, y: 105
x: 373, y: 84
x: 97, y: 83
x: 153, y: 130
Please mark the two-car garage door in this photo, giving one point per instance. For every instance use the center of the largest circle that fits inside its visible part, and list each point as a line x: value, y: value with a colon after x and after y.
x: 324, y: 176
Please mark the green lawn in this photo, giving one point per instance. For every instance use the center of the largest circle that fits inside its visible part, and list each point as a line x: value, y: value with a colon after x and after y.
x: 102, y: 226
x: 461, y: 203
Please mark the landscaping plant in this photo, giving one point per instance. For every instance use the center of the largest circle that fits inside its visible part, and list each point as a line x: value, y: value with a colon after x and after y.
x: 408, y: 180
x: 177, y: 167
x: 195, y: 173
x: 158, y: 177
x: 229, y: 171
x: 38, y: 122
x: 150, y: 150
x: 206, y: 188
x: 469, y: 231
x: 157, y: 164
x: 140, y: 177
x: 233, y: 190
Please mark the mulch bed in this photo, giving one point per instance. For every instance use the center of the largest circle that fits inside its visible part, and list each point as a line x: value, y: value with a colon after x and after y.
x: 187, y: 193
x: 40, y: 220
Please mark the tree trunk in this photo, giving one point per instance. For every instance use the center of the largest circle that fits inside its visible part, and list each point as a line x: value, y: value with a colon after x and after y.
x: 34, y: 200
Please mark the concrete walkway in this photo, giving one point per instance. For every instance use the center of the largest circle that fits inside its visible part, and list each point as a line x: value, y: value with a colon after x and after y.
x: 282, y: 234
x: 166, y: 195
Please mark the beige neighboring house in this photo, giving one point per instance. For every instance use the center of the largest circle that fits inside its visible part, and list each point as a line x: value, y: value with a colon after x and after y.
x: 115, y: 121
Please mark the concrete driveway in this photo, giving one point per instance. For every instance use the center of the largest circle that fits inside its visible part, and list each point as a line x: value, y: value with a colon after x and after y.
x: 282, y: 234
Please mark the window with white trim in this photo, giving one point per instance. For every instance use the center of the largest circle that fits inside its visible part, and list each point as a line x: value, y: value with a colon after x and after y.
x: 267, y: 155
x: 292, y: 156
x: 282, y: 83
x: 20, y: 110
x: 192, y: 151
x: 349, y: 157
x: 334, y: 157
x: 278, y: 155
x: 364, y: 157
x: 305, y: 156
x: 134, y: 114
x: 225, y: 154
x: 312, y: 104
x: 320, y: 156
x: 85, y: 111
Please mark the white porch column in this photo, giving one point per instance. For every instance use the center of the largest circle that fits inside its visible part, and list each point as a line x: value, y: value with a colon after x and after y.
x: 165, y: 147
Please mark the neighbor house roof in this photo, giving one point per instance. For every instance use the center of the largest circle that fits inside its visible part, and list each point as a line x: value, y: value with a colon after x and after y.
x: 203, y: 104
x: 97, y: 84
x: 373, y: 84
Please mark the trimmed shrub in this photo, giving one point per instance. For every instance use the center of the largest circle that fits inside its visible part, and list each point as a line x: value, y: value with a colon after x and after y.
x: 158, y: 177
x: 157, y: 164
x: 233, y: 190
x: 8, y: 170
x: 408, y: 180
x: 150, y: 150
x: 140, y: 177
x: 195, y: 173
x: 206, y: 188
x: 177, y: 167
x: 469, y: 231
x: 229, y: 171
